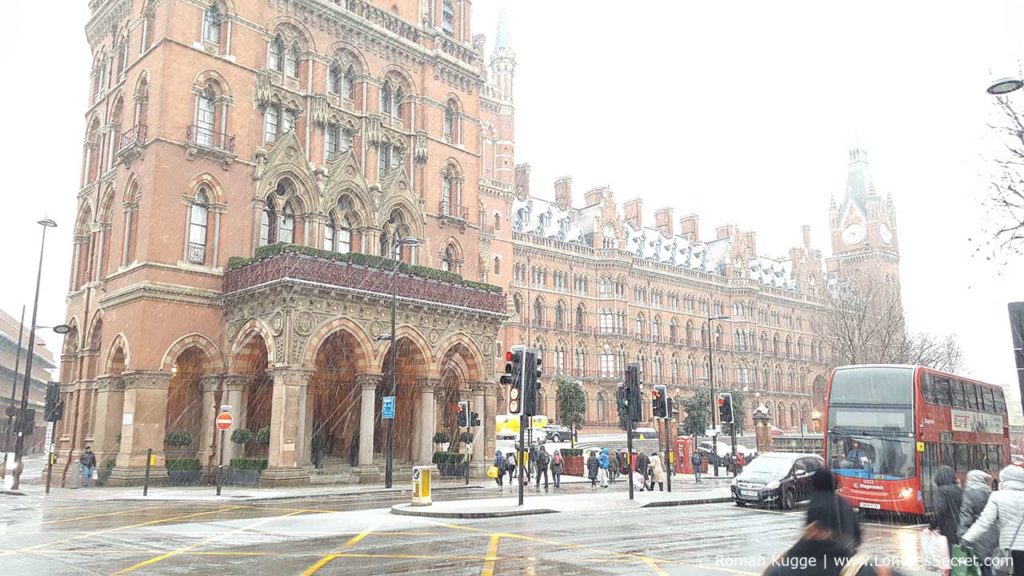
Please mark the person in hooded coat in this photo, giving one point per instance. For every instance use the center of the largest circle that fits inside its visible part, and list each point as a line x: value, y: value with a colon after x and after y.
x: 657, y: 472
x: 945, y: 506
x: 499, y: 463
x: 830, y: 539
x: 1003, y: 516
x: 593, y: 465
x: 976, y: 493
x: 603, y: 473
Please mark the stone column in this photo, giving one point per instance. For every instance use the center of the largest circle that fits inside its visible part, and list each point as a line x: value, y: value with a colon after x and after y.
x: 426, y: 425
x: 367, y: 410
x: 107, y: 428
x: 208, y: 446
x: 287, y: 428
x: 478, y: 405
x: 487, y: 417
x: 235, y: 396
x: 143, y: 426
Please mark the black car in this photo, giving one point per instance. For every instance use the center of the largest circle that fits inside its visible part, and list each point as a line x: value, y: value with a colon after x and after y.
x: 557, y: 432
x: 777, y: 478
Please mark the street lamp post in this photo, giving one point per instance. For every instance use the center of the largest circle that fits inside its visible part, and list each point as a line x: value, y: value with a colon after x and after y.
x: 393, y: 384
x: 714, y: 403
x: 19, y: 443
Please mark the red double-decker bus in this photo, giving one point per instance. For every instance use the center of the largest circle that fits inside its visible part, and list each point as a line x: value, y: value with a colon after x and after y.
x: 889, y: 428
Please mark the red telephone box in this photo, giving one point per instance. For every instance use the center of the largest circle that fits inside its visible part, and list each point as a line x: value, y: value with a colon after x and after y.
x: 684, y: 450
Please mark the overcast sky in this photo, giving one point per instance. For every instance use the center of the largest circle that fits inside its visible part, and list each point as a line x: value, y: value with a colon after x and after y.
x: 741, y: 112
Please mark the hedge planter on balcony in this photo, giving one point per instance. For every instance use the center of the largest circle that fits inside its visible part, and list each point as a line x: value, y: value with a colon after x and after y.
x: 451, y: 464
x: 244, y: 471
x: 184, y: 472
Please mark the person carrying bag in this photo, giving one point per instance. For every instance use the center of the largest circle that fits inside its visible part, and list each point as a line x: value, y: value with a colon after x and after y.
x: 1003, y: 515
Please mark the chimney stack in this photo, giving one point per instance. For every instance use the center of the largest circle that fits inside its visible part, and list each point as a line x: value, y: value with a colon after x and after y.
x: 563, y: 192
x: 594, y: 195
x: 689, y: 226
x: 663, y: 221
x: 523, y: 179
x: 806, y: 230
x: 633, y: 212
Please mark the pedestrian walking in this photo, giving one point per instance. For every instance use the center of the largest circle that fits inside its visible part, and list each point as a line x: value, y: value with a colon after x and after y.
x: 543, y: 460
x: 830, y: 539
x: 945, y: 508
x: 1003, y: 515
x: 643, y: 464
x: 500, y: 464
x: 556, y: 468
x: 603, y: 472
x: 88, y: 463
x: 740, y: 462
x: 657, y: 472
x: 510, y: 467
x: 695, y: 461
x: 976, y: 493
x: 531, y: 461
x: 593, y: 465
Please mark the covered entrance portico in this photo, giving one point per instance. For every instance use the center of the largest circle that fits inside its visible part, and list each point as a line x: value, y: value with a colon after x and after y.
x: 319, y: 325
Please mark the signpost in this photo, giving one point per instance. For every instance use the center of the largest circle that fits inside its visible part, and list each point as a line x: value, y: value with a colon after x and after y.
x: 387, y: 408
x: 224, y: 422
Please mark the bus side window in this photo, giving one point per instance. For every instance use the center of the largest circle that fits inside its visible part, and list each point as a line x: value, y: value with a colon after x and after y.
x: 1000, y: 456
x: 993, y: 457
x: 947, y: 455
x: 1000, y: 402
x: 981, y: 400
x: 979, y: 457
x: 962, y: 454
x: 990, y: 401
x: 972, y: 395
x: 928, y: 386
x: 942, y: 388
x: 958, y: 393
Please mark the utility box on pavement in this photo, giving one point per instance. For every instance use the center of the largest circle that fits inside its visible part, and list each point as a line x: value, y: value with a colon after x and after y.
x: 421, y: 486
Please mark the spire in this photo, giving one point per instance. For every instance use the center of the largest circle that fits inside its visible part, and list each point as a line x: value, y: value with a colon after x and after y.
x: 503, y: 38
x: 858, y: 177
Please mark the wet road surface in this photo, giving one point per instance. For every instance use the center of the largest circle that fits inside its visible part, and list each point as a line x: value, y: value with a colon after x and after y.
x: 329, y: 536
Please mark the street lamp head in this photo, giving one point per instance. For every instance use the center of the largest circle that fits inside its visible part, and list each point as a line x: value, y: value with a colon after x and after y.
x: 62, y: 329
x: 47, y: 223
x: 1004, y: 86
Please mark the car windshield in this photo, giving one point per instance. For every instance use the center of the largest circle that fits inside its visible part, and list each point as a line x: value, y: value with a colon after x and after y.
x: 770, y: 465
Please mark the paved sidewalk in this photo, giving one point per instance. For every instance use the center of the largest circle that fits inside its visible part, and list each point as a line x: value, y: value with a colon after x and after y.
x: 553, y: 503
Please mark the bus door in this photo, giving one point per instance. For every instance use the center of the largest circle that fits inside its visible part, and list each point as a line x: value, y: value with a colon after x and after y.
x: 930, y: 463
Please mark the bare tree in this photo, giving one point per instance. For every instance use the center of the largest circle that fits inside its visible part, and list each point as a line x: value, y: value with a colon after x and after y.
x: 1005, y: 200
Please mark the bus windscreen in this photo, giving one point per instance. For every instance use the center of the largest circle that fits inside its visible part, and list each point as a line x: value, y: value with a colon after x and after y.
x: 886, y: 386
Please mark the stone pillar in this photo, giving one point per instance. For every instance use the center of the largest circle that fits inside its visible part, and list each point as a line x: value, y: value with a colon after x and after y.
x: 478, y: 405
x: 287, y: 429
x: 107, y: 428
x: 487, y: 417
x: 762, y: 417
x: 143, y: 426
x: 208, y: 446
x: 234, y: 395
x: 368, y: 383
x: 426, y: 425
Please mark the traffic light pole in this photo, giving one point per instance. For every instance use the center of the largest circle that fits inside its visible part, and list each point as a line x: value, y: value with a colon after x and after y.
x: 522, y: 419
x: 629, y: 453
x: 669, y: 469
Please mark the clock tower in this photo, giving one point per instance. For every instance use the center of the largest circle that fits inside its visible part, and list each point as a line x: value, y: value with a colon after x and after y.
x: 864, y: 242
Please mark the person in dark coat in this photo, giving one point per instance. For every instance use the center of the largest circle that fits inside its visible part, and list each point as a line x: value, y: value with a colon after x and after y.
x: 592, y: 466
x: 945, y: 507
x: 830, y: 539
x: 499, y: 463
x: 976, y: 493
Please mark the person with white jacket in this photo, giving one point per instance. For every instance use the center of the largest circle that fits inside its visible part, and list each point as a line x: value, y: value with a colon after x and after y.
x: 1003, y: 515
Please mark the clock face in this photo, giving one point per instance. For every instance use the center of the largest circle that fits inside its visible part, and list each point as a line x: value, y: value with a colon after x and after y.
x: 853, y: 234
x: 886, y: 234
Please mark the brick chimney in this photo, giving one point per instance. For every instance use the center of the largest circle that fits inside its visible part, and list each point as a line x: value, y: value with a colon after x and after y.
x: 689, y: 226
x: 594, y: 195
x: 563, y: 192
x: 523, y: 179
x: 750, y: 239
x: 727, y: 231
x: 663, y: 221
x: 633, y: 211
x: 806, y: 230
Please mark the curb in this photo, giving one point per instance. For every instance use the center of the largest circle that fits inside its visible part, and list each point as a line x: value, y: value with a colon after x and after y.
x: 409, y: 510
x: 12, y: 493
x: 715, y: 500
x: 258, y: 498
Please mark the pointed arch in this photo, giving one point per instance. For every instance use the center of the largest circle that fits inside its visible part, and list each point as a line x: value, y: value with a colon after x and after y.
x: 333, y: 326
x: 214, y: 360
x: 243, y: 337
x: 120, y: 342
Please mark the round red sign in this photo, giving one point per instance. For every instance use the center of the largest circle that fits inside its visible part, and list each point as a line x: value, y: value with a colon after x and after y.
x: 224, y: 421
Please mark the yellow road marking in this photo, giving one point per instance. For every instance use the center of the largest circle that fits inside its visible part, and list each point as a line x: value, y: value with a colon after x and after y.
x: 92, y: 534
x: 77, y: 518
x: 654, y: 567
x: 203, y: 542
x: 329, y: 557
x: 404, y: 556
x: 492, y: 556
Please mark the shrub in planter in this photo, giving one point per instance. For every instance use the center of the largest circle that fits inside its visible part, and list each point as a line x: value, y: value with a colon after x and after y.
x: 178, y: 438
x: 263, y: 435
x: 442, y: 438
x: 451, y: 463
x: 257, y: 464
x: 244, y: 471
x: 466, y: 437
x: 241, y: 436
x: 183, y: 471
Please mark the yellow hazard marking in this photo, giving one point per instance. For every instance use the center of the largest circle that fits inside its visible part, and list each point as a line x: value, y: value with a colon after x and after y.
x: 492, y: 556
x: 329, y: 557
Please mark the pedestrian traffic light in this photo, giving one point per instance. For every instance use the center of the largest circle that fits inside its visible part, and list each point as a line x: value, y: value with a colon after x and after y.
x: 531, y: 388
x: 474, y: 419
x: 54, y: 408
x: 659, y: 401
x: 463, y: 414
x: 725, y: 415
x: 513, y: 378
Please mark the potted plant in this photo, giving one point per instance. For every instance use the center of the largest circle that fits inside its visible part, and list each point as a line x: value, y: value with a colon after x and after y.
x: 183, y: 471
x: 244, y: 471
x: 263, y: 436
x: 573, y: 461
x: 241, y: 437
x: 451, y: 464
x: 440, y: 439
x: 178, y: 438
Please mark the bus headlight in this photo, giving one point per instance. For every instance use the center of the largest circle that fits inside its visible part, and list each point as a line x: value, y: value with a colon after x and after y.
x: 906, y: 492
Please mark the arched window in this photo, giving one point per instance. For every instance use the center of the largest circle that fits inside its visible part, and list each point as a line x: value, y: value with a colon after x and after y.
x: 286, y: 225
x: 211, y: 24
x: 396, y: 103
x: 448, y: 18
x: 448, y: 260
x: 657, y: 328
x: 275, y: 58
x: 198, y: 228
x: 719, y: 339
x: 538, y: 312
x: 348, y: 85
x: 581, y: 318
x: 206, y: 115
x: 689, y: 333
x: 291, y: 61
x: 336, y: 80
x: 497, y: 265
x: 447, y: 195
x: 268, y: 221
x: 386, y: 98
x: 497, y: 222
x: 517, y: 302
x: 337, y: 141
x: 602, y: 409
x: 451, y: 123
x: 330, y: 228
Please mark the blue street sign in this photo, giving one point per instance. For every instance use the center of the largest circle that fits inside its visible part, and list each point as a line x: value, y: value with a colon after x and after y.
x: 388, y: 407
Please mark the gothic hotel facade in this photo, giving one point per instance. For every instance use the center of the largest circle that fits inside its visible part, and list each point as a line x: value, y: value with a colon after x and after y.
x: 351, y: 130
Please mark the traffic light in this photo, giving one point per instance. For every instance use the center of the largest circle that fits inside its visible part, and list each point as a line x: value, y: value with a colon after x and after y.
x: 54, y: 409
x: 725, y: 415
x: 532, y: 365
x: 632, y: 392
x: 463, y: 414
x: 513, y: 378
x: 474, y: 419
x: 659, y: 401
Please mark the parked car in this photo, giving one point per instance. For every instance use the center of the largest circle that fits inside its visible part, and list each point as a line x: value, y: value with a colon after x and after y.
x: 777, y: 478
x: 724, y: 447
x: 557, y: 432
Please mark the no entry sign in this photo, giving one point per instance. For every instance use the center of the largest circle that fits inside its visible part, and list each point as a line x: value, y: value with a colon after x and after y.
x: 224, y: 421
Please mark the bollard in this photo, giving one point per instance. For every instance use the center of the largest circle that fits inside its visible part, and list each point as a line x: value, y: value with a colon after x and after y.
x: 145, y: 482
x: 421, y: 486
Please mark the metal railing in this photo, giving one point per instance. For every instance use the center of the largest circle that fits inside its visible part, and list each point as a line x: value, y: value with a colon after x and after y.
x: 203, y: 136
x: 453, y: 211
x: 135, y: 135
